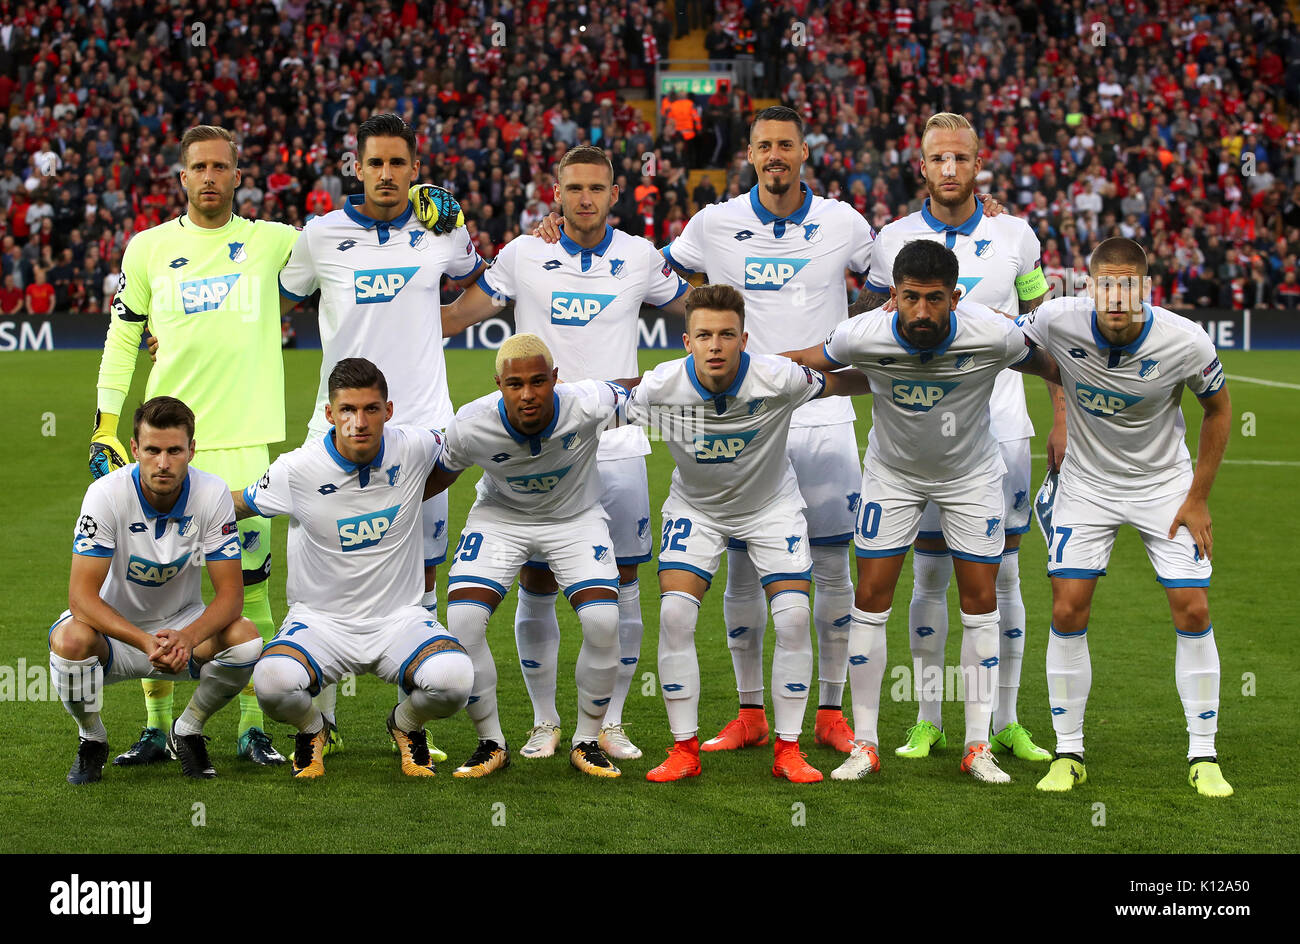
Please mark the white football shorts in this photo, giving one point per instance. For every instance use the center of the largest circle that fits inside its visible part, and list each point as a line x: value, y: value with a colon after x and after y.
x: 1083, y: 533
x: 776, y: 538
x: 625, y: 496
x: 383, y: 645
x: 125, y: 661
x: 496, y: 542
x: 970, y: 513
x: 829, y: 469
x: 1017, y: 496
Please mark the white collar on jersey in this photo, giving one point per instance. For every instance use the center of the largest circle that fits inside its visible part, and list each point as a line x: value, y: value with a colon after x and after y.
x: 352, y: 207
x: 347, y: 465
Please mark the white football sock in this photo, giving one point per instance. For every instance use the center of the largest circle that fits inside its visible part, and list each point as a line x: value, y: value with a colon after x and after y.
x: 1196, y: 670
x: 744, y: 612
x: 927, y: 621
x: 679, y: 670
x: 537, y: 637
x: 1069, y: 679
x: 442, y: 688
x: 867, y: 656
x: 791, y: 662
x: 281, y: 683
x: 79, y: 684
x: 430, y: 601
x: 326, y: 701
x: 979, y: 668
x: 830, y: 614
x: 630, y: 630
x: 597, y: 667
x: 1011, y: 639
x: 219, y: 681
x: 467, y: 620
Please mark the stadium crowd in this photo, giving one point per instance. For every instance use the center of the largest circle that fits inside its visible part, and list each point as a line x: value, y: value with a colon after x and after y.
x: 1160, y: 121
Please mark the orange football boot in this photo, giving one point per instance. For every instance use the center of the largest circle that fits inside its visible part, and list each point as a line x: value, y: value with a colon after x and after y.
x: 683, y: 761
x: 833, y: 731
x: 748, y: 730
x: 792, y: 764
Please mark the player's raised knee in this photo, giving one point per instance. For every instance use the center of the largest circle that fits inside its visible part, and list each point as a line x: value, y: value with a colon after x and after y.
x: 275, y: 670
x: 73, y: 639
x: 442, y: 670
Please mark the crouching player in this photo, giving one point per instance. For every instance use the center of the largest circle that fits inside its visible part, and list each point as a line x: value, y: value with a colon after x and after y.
x: 1126, y: 463
x: 538, y: 500
x: 726, y: 418
x: 934, y: 365
x: 135, y: 604
x: 356, y: 573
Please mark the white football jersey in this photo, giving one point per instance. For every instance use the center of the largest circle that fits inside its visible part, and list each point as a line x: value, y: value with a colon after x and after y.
x: 729, y: 447
x: 379, y: 299
x: 1123, y: 406
x: 791, y: 272
x: 549, y: 475
x: 586, y: 305
x: 355, y: 543
x: 999, y: 263
x: 930, y: 407
x: 157, y: 557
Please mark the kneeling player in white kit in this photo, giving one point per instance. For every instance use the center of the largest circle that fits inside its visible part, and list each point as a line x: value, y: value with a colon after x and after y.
x: 136, y: 607
x: 538, y: 499
x: 355, y: 573
x: 933, y: 366
x: 726, y: 418
x: 1125, y: 364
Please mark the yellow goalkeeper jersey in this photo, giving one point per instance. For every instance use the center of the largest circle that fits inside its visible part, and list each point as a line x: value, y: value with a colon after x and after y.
x: 212, y: 298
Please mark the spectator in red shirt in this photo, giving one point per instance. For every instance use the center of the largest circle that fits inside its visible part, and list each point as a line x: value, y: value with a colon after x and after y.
x: 11, y: 297
x: 40, y: 295
x: 319, y: 201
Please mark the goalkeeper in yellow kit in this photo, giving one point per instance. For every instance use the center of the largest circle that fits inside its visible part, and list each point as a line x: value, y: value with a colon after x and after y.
x: 206, y: 285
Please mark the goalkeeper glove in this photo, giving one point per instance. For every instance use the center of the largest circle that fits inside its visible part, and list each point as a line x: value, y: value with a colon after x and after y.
x: 436, y: 208
x: 105, y: 451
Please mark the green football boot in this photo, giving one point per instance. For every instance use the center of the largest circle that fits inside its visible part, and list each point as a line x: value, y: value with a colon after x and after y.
x: 920, y: 738
x: 1064, y: 774
x: 1207, y: 778
x: 1017, y: 739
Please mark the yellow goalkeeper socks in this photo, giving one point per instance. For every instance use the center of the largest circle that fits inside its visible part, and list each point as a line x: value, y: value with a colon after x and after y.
x: 158, y: 703
x: 257, y: 608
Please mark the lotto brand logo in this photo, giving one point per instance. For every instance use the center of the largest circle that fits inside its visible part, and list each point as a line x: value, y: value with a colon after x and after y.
x: 374, y: 286
x: 725, y: 448
x: 924, y: 631
x: 199, y: 295
x: 921, y: 396
x: 1014, y: 633
x: 147, y: 573
x: 737, y: 632
x: 770, y: 275
x: 1101, y: 402
x: 366, y: 530
x: 537, y: 482
x: 576, y: 309
x: 858, y: 660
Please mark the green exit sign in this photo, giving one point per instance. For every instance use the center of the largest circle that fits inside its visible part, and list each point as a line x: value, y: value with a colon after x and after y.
x: 688, y: 82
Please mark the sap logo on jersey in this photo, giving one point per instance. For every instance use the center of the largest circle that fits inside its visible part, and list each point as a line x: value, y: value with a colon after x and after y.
x: 770, y: 275
x: 921, y: 396
x: 206, y: 294
x: 149, y: 573
x: 576, y: 309
x: 723, y: 448
x: 381, y: 285
x: 366, y: 530
x: 1101, y: 402
x: 537, y: 482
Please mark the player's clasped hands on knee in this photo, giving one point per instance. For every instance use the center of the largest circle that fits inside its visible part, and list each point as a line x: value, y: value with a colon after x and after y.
x: 1194, y: 514
x: 171, y: 651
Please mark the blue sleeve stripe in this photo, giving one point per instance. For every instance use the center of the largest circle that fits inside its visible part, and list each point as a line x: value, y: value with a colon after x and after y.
x: 478, y: 261
x: 248, y: 500
x: 1029, y: 352
x: 668, y: 255
x: 827, y: 354
x: 682, y: 288
x: 218, y: 556
x: 95, y: 550
x: 878, y: 289
x: 290, y: 295
x: 482, y: 283
x: 1209, y: 393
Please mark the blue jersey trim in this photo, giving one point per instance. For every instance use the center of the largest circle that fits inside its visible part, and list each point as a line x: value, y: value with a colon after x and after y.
x: 1176, y: 584
x: 482, y: 283
x: 401, y: 672
x: 218, y: 556
x: 767, y: 217
x: 290, y: 295
x: 827, y: 354
x: 1021, y: 530
x: 1209, y: 393
x: 668, y: 257
x: 1056, y: 632
x: 631, y: 561
x: 490, y: 609
x: 1201, y: 635
x: 582, y: 606
x: 573, y: 588
x: 478, y: 581
x: 682, y: 288
x: 1132, y: 347
x: 975, y: 558
x: 834, y: 540
x: 877, y: 289
x: 885, y: 552
x: 435, y: 561
x: 928, y: 352
x: 777, y: 578
x: 96, y: 550
x: 734, y: 545
x: 1075, y: 573
x: 931, y: 536
x: 925, y: 553
x: 248, y: 500
x: 704, y: 574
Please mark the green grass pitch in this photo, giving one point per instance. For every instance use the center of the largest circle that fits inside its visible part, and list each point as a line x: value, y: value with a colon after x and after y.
x: 1136, y: 800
